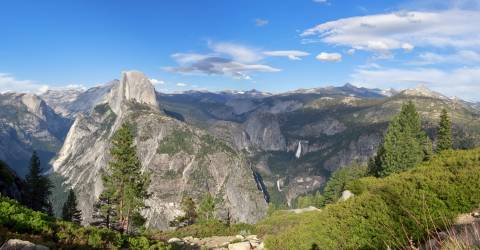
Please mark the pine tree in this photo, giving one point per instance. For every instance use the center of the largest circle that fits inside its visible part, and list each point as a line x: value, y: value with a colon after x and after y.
x: 70, y: 211
x: 125, y: 186
x: 104, y: 213
x: 405, y: 144
x: 37, y: 187
x: 206, y: 208
x: 444, y: 137
x: 190, y: 210
x: 190, y: 213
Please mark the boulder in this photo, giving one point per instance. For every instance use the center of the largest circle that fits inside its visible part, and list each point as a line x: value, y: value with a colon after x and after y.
x: 347, y: 194
x: 15, y: 244
x: 240, y: 246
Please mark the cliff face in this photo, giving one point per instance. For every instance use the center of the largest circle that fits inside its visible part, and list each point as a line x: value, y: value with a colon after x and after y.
x: 27, y: 123
x: 182, y: 160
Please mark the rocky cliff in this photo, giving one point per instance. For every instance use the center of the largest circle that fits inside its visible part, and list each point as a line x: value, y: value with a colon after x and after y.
x: 182, y: 160
x: 27, y: 123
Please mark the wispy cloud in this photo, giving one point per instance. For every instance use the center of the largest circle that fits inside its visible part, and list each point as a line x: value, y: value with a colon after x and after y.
x: 329, y: 57
x: 467, y: 57
x: 463, y: 81
x: 237, y: 52
x: 261, y: 22
x: 9, y: 83
x: 402, y: 30
x: 222, y: 66
x: 182, y: 84
x: 157, y: 82
x: 230, y: 59
x: 290, y: 54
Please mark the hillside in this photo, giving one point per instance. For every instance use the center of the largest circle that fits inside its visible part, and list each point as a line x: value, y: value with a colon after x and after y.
x: 410, y: 206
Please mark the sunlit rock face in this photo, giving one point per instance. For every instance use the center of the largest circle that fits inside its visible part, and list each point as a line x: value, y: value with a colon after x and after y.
x: 27, y: 123
x: 182, y: 160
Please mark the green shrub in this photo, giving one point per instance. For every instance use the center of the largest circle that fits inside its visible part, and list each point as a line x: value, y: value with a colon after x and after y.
x: 206, y: 228
x: 385, y: 212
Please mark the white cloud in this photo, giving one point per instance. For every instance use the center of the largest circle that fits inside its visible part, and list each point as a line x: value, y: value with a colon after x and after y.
x: 291, y: 54
x: 402, y: 30
x: 237, y: 52
x: 460, y: 57
x: 320, y: 1
x: 157, y: 82
x: 261, y: 22
x: 182, y: 84
x: 463, y: 82
x: 9, y: 83
x: 329, y: 57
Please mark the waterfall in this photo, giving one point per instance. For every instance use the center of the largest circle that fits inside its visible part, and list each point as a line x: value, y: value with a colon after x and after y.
x: 299, y: 150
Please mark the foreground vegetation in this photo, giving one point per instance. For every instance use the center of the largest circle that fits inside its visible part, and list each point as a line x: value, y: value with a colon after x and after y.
x: 17, y: 221
x: 388, y: 212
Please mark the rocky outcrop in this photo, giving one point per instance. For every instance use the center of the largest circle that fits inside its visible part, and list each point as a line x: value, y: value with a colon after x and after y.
x: 182, y: 160
x: 135, y: 87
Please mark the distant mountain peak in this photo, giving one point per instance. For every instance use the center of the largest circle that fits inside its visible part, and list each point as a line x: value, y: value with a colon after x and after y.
x: 422, y: 90
x: 33, y: 103
x: 133, y: 86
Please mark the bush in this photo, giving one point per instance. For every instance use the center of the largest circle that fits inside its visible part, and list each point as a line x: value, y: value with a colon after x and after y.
x: 385, y: 212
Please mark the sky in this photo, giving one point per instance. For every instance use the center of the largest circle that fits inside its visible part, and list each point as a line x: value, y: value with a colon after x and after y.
x: 267, y: 45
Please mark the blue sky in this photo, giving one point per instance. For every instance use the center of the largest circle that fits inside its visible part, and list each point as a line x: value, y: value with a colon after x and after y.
x: 263, y: 44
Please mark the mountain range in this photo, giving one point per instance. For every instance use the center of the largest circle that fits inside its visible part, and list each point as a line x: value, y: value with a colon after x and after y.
x: 246, y: 148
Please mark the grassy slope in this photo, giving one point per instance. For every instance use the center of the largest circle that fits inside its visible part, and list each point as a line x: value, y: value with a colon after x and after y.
x: 385, y: 212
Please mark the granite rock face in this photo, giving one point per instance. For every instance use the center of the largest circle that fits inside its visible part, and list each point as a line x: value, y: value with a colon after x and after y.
x: 27, y: 123
x: 182, y: 160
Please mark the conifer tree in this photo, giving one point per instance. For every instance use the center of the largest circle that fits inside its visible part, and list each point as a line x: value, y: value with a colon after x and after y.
x: 444, y: 137
x: 125, y: 185
x: 405, y: 144
x: 70, y: 211
x: 104, y: 213
x: 206, y: 208
x: 37, y: 187
x: 190, y: 210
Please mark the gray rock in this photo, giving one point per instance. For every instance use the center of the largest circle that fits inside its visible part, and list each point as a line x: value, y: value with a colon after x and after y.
x: 15, y: 244
x: 346, y: 195
x: 240, y: 246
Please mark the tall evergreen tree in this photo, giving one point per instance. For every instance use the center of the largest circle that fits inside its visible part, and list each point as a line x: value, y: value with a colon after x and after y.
x: 125, y: 186
x: 70, y: 211
x: 405, y: 144
x: 206, y: 207
x: 444, y: 137
x: 37, y: 187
